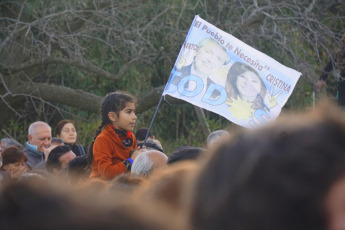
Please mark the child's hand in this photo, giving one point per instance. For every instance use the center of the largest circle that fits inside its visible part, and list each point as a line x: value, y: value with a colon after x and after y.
x: 18, y: 173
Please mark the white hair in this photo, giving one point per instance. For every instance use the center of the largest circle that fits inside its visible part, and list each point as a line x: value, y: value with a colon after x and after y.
x: 216, y: 135
x: 35, y: 125
x: 142, y: 163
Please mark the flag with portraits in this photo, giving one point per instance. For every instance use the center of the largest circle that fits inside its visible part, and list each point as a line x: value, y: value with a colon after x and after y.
x: 218, y: 72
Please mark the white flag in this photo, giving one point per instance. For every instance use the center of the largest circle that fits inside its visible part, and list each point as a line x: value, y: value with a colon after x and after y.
x: 220, y: 73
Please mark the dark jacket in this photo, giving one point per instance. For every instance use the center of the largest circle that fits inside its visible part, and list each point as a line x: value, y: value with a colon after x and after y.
x: 34, y: 156
x: 78, y: 150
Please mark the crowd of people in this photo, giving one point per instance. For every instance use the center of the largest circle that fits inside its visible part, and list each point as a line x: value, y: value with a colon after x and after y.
x: 289, y: 174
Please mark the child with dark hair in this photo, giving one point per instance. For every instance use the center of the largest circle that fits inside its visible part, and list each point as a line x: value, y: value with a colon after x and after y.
x: 109, y: 153
x: 13, y: 162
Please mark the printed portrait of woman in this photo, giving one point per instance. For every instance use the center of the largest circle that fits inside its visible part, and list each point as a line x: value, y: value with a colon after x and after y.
x: 243, y: 82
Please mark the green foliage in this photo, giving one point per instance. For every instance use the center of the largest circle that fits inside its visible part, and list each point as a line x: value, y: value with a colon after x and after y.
x: 86, y: 131
x: 17, y: 131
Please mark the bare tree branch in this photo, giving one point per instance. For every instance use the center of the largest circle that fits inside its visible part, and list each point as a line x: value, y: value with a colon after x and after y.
x: 78, y: 98
x: 57, y: 94
x: 81, y: 64
x: 131, y: 45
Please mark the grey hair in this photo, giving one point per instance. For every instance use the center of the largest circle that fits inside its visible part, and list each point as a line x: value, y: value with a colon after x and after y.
x: 57, y: 141
x: 36, y: 124
x: 214, y: 136
x: 142, y: 163
x: 11, y: 142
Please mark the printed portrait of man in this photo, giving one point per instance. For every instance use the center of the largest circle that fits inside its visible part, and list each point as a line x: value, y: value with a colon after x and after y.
x: 209, y: 58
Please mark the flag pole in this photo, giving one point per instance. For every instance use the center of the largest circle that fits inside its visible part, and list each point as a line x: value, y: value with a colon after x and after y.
x: 153, y: 118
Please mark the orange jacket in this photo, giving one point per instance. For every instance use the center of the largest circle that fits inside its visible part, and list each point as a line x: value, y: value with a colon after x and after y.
x: 109, y: 154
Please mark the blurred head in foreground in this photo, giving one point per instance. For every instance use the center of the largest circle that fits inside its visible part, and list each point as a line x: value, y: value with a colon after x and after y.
x: 283, y: 176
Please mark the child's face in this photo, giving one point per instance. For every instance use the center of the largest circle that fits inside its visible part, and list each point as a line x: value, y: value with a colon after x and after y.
x: 126, y: 119
x: 14, y: 167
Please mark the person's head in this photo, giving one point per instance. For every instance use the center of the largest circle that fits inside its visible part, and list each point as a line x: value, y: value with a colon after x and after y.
x: 65, y: 129
x: 185, y: 153
x: 59, y: 158
x: 169, y: 185
x: 32, y: 205
x: 126, y: 182
x: 57, y: 141
x: 149, y: 161
x: 77, y: 169
x: 39, y: 134
x: 140, y: 135
x: 275, y: 177
x: 7, y: 142
x: 334, y: 201
x: 117, y: 109
x: 210, y: 57
x: 13, y: 159
x: 54, y: 143
x: 214, y: 136
x: 151, y: 144
x: 244, y: 82
x: 158, y: 143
